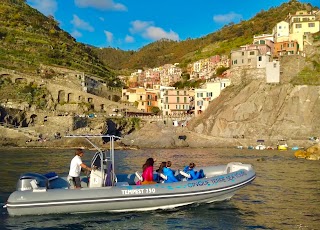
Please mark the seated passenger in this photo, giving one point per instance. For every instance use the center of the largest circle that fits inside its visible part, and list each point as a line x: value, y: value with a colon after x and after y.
x: 194, y: 175
x: 157, y: 177
x: 147, y: 173
x: 169, y: 173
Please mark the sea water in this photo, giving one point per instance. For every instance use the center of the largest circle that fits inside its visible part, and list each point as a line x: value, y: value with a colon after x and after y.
x: 285, y: 194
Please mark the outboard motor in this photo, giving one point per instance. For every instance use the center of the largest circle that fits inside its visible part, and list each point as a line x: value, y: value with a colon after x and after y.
x: 30, y: 181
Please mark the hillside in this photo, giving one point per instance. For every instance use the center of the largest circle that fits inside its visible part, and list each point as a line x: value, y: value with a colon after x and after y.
x: 229, y: 37
x: 28, y: 39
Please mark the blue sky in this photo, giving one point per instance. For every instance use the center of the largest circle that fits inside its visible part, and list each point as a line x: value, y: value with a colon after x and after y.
x: 132, y: 24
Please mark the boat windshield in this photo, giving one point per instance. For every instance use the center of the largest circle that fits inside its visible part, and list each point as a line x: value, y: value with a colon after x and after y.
x: 96, y: 160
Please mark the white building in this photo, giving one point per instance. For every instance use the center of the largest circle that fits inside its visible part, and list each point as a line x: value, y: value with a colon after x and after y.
x: 207, y: 93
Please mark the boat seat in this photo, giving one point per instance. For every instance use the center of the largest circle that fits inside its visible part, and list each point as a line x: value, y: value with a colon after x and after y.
x: 235, y: 166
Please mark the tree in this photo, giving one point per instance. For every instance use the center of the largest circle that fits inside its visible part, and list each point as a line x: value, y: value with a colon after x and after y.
x: 155, y: 109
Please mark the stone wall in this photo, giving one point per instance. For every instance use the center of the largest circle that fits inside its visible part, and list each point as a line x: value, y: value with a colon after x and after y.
x: 290, y: 66
x: 241, y: 75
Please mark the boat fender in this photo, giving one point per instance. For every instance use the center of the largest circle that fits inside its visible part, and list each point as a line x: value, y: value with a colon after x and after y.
x: 163, y: 176
x: 138, y: 175
x: 70, y: 181
x: 187, y: 175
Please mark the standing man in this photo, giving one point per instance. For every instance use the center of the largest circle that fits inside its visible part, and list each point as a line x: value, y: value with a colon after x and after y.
x: 75, y: 168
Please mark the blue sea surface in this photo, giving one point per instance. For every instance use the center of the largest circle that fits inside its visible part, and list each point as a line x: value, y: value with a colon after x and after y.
x: 285, y: 194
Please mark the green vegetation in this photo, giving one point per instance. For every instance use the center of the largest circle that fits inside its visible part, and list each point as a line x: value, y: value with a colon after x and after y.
x: 308, y: 77
x: 28, y: 39
x: 126, y: 125
x: 155, y: 110
x: 221, y: 42
x: 30, y: 93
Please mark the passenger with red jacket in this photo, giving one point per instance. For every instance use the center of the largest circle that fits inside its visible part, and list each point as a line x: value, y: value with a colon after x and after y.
x: 147, y: 173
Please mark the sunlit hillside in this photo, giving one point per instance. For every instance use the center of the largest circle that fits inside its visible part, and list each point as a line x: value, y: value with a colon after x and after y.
x: 229, y: 37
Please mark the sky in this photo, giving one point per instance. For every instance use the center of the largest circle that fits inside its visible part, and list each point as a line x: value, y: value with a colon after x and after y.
x: 132, y: 24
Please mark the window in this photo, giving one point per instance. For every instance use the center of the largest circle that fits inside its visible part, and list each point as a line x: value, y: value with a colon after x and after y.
x: 280, y: 27
x: 166, y: 99
x: 235, y: 62
x: 199, y: 94
x: 242, y: 53
x: 291, y: 45
x: 185, y: 100
x: 178, y: 93
x: 249, y: 60
x: 312, y: 24
x: 259, y: 58
x: 298, y: 26
x: 185, y: 92
x: 178, y: 99
x: 251, y: 52
x: 209, y: 94
x: 149, y: 103
x: 199, y: 103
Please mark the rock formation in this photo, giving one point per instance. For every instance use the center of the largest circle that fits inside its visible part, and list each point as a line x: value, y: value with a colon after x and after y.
x: 311, y: 153
x: 262, y: 111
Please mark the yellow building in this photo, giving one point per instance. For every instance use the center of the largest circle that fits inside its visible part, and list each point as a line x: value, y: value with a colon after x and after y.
x: 300, y: 24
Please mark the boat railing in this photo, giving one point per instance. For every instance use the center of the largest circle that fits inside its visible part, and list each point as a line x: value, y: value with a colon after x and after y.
x: 107, y: 169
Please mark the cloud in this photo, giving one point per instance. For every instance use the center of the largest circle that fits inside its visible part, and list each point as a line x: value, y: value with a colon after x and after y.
x: 139, y: 26
x: 156, y: 33
x: 80, y: 24
x: 47, y: 7
x: 109, y: 36
x: 76, y: 34
x: 129, y: 39
x: 226, y: 18
x: 149, y: 31
x: 100, y: 4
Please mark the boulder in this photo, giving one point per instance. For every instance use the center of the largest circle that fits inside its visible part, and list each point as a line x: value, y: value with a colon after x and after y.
x: 300, y: 154
x: 311, y: 153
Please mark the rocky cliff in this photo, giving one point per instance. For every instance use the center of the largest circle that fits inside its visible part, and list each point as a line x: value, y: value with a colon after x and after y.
x: 262, y: 111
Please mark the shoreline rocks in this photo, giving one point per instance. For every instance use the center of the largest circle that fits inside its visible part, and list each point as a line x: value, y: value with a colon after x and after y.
x: 311, y: 153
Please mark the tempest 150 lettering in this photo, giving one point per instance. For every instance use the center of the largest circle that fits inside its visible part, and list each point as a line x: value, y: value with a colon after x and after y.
x: 138, y: 191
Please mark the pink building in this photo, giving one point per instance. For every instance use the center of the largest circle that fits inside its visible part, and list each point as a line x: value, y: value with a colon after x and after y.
x: 176, y: 102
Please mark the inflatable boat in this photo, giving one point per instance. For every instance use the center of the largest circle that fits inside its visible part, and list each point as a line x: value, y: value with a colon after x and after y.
x: 106, y: 191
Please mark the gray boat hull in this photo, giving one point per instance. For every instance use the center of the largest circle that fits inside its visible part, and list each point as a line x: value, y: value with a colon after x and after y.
x: 125, y: 196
